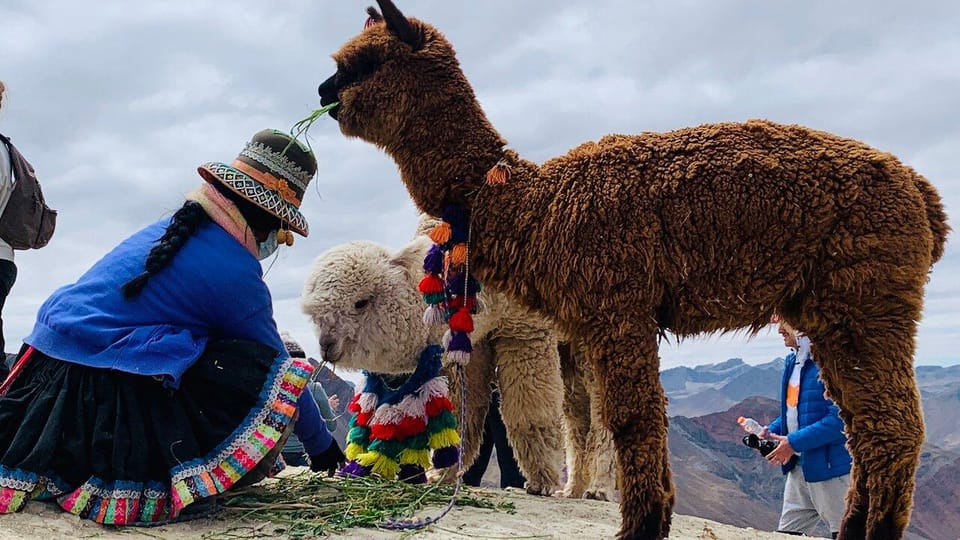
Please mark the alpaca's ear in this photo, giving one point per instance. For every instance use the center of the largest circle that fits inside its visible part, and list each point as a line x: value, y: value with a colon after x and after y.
x: 375, y: 16
x: 399, y: 24
x: 410, y: 258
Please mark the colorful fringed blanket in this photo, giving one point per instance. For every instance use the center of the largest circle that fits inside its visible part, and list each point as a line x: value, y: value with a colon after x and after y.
x: 393, y: 431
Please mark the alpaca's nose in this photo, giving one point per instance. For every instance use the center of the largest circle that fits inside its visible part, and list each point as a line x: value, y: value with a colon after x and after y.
x: 326, y: 347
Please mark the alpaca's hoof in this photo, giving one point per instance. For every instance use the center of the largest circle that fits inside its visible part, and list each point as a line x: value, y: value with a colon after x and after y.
x: 598, y: 494
x: 568, y: 493
x: 655, y: 525
x: 537, y: 488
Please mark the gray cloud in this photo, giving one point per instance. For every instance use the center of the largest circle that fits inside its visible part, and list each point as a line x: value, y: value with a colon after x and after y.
x: 116, y: 104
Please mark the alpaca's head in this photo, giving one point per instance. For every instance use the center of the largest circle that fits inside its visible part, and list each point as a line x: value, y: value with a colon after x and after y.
x: 394, y: 79
x: 365, y: 308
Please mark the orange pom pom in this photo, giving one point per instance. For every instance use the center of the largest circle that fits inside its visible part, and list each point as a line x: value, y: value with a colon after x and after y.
x: 441, y: 233
x: 458, y: 255
x: 498, y: 174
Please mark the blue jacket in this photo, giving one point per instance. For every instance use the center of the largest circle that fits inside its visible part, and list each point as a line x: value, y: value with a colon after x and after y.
x: 212, y: 288
x: 820, y: 439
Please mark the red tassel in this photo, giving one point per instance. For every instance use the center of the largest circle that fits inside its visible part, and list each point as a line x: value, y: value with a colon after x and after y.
x: 354, y: 405
x: 461, y: 321
x: 437, y: 405
x: 410, y: 426
x: 430, y: 284
x: 383, y: 431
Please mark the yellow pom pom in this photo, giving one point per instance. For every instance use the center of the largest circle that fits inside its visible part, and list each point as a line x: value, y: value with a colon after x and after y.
x: 379, y: 464
x: 444, y: 438
x: 352, y: 451
x: 411, y: 456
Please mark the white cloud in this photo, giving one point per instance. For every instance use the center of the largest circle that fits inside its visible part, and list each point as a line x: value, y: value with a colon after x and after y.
x: 117, y: 103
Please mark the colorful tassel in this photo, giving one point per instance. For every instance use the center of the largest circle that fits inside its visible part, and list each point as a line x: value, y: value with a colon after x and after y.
x: 352, y: 451
x: 459, y: 341
x: 440, y: 234
x: 379, y: 464
x: 499, y: 174
x: 352, y: 468
x: 458, y: 357
x: 461, y: 321
x: 433, y: 261
x: 444, y: 438
x: 430, y: 284
x: 411, y: 456
x: 434, y: 316
x: 458, y: 255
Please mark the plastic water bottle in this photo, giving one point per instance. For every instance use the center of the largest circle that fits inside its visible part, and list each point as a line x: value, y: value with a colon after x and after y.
x: 750, y: 425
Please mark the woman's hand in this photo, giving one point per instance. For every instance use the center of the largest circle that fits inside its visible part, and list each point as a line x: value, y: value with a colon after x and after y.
x: 334, y: 402
x: 329, y: 460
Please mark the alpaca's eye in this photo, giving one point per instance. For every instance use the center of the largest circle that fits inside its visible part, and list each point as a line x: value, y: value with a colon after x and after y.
x: 360, y: 304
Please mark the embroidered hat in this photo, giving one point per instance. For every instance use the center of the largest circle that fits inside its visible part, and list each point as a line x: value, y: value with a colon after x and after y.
x: 273, y: 172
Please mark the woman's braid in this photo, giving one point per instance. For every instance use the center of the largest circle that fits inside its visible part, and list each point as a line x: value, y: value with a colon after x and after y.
x: 182, y: 225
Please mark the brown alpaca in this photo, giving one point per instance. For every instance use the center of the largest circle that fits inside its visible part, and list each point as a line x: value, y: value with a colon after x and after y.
x: 693, y: 231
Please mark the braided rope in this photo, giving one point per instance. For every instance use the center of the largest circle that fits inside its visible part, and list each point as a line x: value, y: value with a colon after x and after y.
x: 409, y: 524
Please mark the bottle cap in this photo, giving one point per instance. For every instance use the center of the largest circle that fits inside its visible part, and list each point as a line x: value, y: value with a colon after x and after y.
x: 741, y: 420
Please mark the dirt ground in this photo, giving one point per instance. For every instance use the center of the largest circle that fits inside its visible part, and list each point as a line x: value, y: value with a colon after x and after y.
x: 535, y: 517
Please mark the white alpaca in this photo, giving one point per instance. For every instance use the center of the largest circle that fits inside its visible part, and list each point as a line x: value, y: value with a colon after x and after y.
x: 367, y: 314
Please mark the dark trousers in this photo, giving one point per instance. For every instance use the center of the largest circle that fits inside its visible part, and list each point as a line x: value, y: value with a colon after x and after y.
x: 8, y: 275
x: 495, y: 434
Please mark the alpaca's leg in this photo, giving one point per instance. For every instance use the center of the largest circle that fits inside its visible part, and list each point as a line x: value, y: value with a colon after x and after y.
x: 862, y: 323
x: 885, y: 429
x: 603, y: 476
x: 576, y: 416
x: 528, y: 372
x: 479, y: 375
x: 634, y: 409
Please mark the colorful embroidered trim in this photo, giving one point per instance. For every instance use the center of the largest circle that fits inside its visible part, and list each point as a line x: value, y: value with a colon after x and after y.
x: 126, y: 502
x: 393, y: 431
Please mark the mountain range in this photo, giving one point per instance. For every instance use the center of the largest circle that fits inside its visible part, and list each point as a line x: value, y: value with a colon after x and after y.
x: 719, y: 478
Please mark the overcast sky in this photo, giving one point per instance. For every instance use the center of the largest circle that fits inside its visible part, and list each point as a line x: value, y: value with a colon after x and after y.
x: 116, y: 103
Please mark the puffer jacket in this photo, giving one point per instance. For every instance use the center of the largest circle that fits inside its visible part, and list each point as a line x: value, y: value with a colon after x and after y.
x: 820, y: 439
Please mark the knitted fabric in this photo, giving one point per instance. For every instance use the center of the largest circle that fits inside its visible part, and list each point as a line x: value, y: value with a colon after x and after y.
x: 393, y: 431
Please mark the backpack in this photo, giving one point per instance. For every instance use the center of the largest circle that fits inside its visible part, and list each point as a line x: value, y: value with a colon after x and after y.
x: 27, y: 222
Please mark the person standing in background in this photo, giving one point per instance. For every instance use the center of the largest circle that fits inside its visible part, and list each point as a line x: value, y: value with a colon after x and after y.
x: 8, y: 270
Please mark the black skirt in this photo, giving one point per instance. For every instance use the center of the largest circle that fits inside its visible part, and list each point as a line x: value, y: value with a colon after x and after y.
x: 120, y: 448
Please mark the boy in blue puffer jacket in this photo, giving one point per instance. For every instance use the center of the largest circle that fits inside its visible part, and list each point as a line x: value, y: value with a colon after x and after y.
x: 810, y: 433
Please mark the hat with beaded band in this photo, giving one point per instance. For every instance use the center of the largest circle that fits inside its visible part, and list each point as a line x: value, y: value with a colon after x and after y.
x: 273, y: 172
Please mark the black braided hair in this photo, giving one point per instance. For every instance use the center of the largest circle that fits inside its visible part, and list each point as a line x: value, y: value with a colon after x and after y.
x: 183, y: 224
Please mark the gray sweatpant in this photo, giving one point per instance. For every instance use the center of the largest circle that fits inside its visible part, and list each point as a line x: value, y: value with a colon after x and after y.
x: 806, y: 503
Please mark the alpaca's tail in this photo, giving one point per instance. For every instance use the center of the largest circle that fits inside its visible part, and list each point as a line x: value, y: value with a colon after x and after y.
x: 935, y: 214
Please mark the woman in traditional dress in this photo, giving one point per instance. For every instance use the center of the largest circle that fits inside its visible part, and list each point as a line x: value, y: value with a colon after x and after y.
x: 158, y: 379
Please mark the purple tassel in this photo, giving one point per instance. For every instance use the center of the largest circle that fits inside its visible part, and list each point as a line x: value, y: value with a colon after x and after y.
x: 445, y: 457
x: 460, y: 341
x: 433, y: 261
x: 412, y: 474
x: 352, y: 468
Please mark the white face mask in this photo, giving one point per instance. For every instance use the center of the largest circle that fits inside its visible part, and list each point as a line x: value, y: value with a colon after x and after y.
x: 268, y: 247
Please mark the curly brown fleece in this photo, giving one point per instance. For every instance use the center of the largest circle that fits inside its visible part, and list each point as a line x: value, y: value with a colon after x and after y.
x: 705, y: 229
